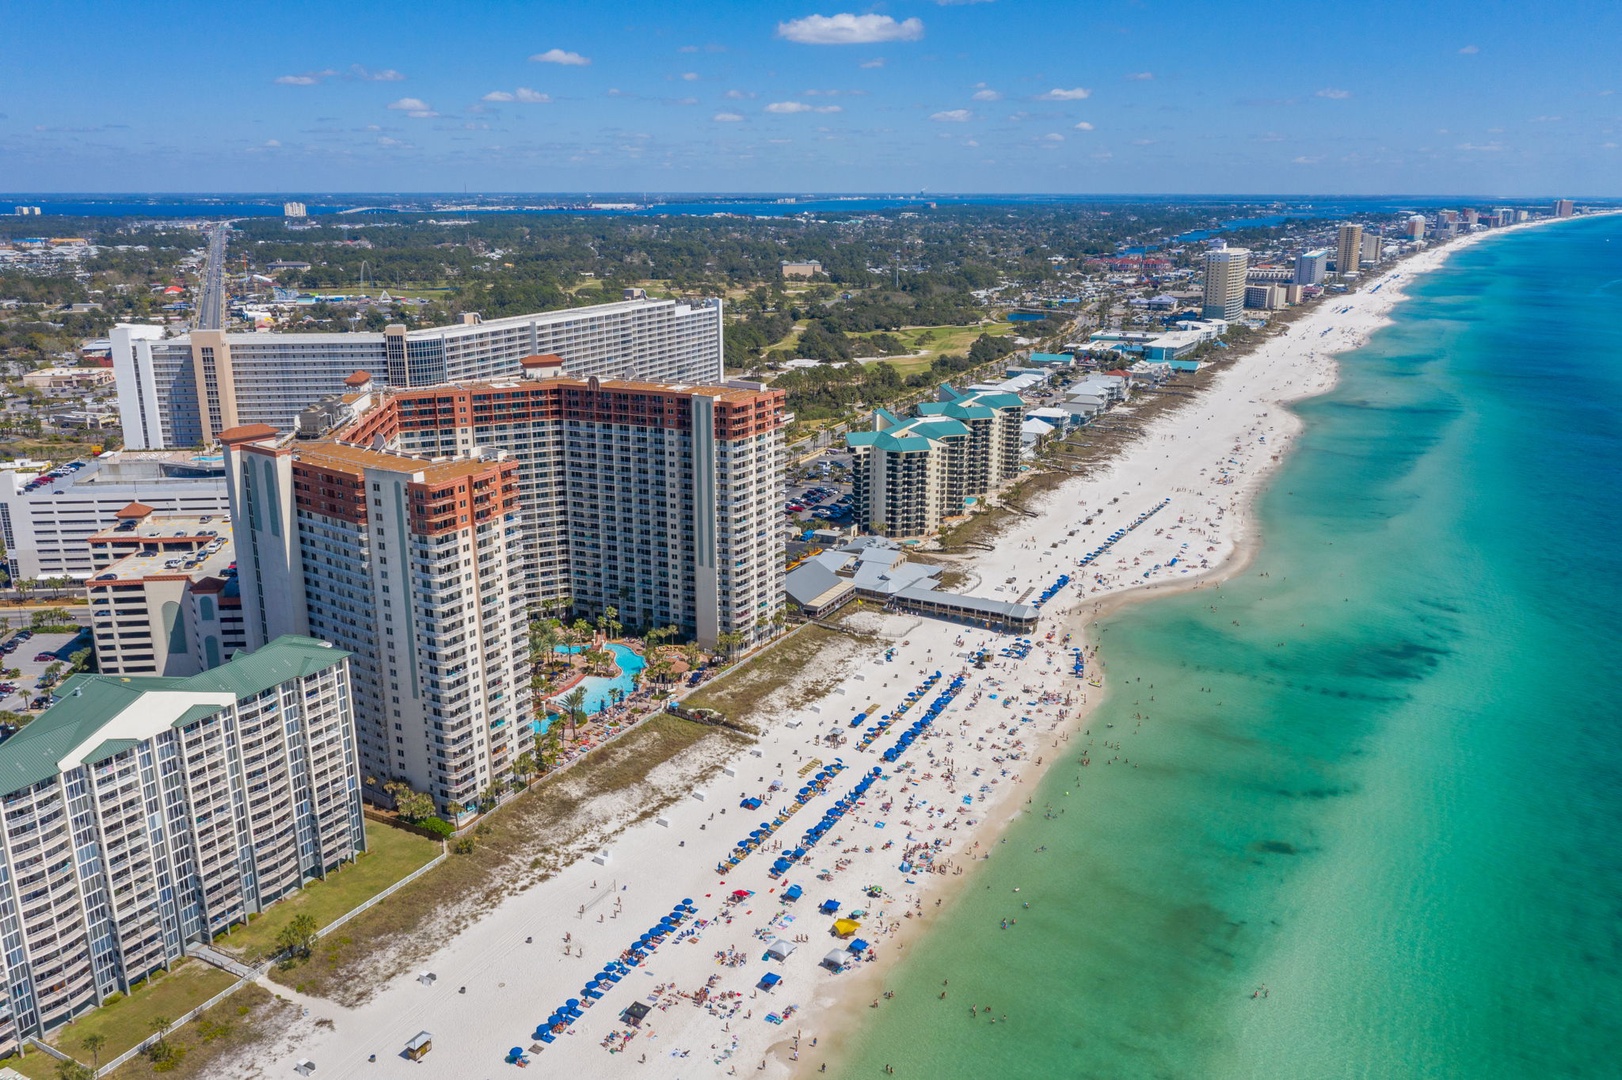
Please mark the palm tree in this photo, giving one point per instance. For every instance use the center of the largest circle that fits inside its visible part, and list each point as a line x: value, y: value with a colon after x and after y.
x: 611, y: 621
x: 93, y: 1044
x: 524, y: 767
x: 574, y: 707
x: 729, y: 643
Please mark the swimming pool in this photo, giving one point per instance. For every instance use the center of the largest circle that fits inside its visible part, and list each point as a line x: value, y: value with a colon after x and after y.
x: 599, y: 688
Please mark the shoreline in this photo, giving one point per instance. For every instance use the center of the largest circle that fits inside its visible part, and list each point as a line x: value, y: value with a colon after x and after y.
x: 838, y: 1033
x: 1236, y: 439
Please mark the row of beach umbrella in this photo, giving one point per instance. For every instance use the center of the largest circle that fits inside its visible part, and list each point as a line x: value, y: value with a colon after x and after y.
x: 1052, y: 590
x: 916, y: 728
x: 913, y: 696
x: 1120, y: 534
x: 813, y: 787
x: 598, y: 984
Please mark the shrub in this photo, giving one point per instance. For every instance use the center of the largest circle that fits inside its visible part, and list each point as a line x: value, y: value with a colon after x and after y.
x: 438, y: 826
x: 462, y: 845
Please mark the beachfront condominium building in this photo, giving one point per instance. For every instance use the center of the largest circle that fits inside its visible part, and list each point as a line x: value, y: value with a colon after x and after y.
x: 183, y: 391
x: 164, y: 597
x: 909, y: 476
x: 1310, y: 267
x: 1414, y: 227
x: 411, y: 564
x: 140, y: 814
x: 1372, y: 249
x: 1348, y: 249
x: 47, y: 519
x: 1225, y: 270
x: 1563, y: 208
x: 659, y: 501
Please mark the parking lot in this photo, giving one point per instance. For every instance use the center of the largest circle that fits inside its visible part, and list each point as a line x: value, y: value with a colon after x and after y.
x: 819, y: 490
x: 30, y: 653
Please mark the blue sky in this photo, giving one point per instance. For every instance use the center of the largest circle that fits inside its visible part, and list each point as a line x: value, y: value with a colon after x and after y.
x: 1445, y: 97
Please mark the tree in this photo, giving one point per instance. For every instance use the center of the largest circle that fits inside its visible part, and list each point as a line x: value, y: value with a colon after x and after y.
x: 611, y: 621
x: 524, y: 767
x: 455, y: 810
x: 72, y: 1070
x: 412, y: 805
x: 159, y: 1049
x: 574, y: 707
x: 729, y: 642
x: 298, y: 937
x: 93, y: 1044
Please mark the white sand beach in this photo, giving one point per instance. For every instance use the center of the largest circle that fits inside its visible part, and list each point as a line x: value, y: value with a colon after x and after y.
x: 898, y: 852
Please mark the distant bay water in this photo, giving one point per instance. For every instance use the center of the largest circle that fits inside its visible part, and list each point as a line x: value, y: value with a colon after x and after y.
x: 201, y: 205
x: 1372, y: 820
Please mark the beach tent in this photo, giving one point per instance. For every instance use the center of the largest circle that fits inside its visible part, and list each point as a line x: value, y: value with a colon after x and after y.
x: 857, y: 945
x: 846, y: 927
x: 793, y: 892
x: 835, y: 960
x: 780, y: 949
x: 635, y: 1014
x: 769, y: 980
x: 829, y: 907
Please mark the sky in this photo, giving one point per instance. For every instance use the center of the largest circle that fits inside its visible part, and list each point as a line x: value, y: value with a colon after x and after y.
x: 1477, y: 97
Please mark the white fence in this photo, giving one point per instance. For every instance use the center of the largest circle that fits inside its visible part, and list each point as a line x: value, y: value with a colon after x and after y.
x: 146, y: 1044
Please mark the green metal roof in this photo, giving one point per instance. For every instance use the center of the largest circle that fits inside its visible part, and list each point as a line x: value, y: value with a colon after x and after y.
x: 87, y: 703
x: 996, y: 399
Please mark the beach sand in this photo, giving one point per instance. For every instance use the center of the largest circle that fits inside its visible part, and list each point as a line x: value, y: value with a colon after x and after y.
x: 940, y: 808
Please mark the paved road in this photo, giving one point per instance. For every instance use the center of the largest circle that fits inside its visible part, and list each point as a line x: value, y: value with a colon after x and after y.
x: 211, y: 302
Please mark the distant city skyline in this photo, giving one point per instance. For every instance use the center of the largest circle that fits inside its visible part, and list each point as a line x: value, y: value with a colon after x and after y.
x: 917, y: 95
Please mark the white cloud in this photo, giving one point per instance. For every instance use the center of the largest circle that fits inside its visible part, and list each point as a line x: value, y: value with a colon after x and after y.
x: 952, y: 116
x: 1084, y: 126
x: 1333, y: 94
x: 416, y: 108
x: 1270, y: 136
x: 876, y: 62
x: 1545, y: 119
x: 848, y: 29
x: 531, y: 97
x: 308, y: 78
x: 727, y: 118
x: 788, y: 107
x: 987, y: 95
x: 688, y: 49
x: 561, y: 56
x: 689, y: 76
x: 385, y: 75
x: 273, y: 143
x: 1305, y: 160
x: 1141, y: 76
x: 1469, y: 50
x: 1053, y: 136
x: 687, y: 101
x: 738, y: 95
x: 494, y: 95
x: 1077, y: 94
x: 1486, y: 148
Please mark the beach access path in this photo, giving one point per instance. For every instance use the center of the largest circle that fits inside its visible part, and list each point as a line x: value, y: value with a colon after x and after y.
x: 937, y: 809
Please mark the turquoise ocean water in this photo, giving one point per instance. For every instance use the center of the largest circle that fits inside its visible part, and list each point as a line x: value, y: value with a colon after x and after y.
x: 1397, y: 801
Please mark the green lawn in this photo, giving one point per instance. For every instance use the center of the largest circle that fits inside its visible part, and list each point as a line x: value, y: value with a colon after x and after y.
x: 391, y: 855
x: 128, y: 1020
